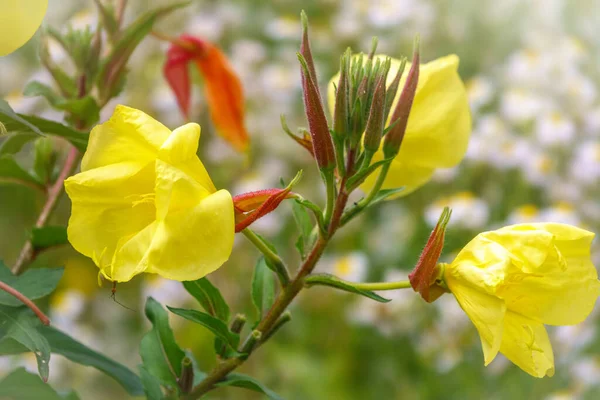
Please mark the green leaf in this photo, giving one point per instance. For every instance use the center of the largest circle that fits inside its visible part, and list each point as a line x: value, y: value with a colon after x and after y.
x: 49, y: 236
x: 7, y: 115
x: 44, y: 159
x: 11, y: 172
x: 304, y: 225
x: 385, y: 193
x: 20, y: 324
x: 21, y: 385
x: 336, y: 283
x: 160, y: 352
x: 263, y: 287
x: 215, y: 325
x: 247, y: 382
x: 33, y: 283
x: 151, y: 385
x: 32, y: 124
x: 15, y: 142
x: 209, y: 297
x: 84, y: 109
x: 113, y: 70
x: 66, y: 346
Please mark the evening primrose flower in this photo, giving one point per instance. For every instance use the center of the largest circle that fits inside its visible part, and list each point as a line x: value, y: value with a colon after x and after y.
x: 512, y: 281
x: 143, y: 202
x: 439, y: 125
x: 19, y: 19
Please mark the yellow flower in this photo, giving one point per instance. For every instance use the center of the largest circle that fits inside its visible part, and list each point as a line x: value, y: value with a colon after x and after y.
x: 512, y: 281
x: 438, y: 127
x: 19, y: 19
x: 144, y: 202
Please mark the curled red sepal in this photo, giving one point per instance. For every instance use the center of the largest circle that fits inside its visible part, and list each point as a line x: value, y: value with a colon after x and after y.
x: 423, y: 277
x: 222, y: 87
x: 254, y: 205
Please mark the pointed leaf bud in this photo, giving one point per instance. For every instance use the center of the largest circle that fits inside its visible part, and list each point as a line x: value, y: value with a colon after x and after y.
x: 394, y: 137
x: 317, y: 122
x: 376, y: 121
x: 251, y: 206
x: 303, y: 141
x: 186, y: 380
x: 341, y: 112
x: 393, y: 88
x: 306, y: 53
x: 423, y: 277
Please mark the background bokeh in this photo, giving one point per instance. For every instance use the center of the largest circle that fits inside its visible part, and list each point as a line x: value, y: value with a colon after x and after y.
x: 531, y: 69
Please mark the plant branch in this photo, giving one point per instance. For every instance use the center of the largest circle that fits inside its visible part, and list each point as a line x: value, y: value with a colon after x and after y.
x: 23, y: 299
x: 382, y: 285
x: 54, y: 192
x: 273, y: 259
x: 272, y: 318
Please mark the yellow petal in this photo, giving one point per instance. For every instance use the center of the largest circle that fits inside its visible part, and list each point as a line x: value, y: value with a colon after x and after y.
x: 109, y: 203
x: 19, y: 19
x: 180, y: 150
x: 131, y: 257
x: 551, y: 277
x: 175, y: 190
x: 128, y: 136
x: 525, y: 342
x: 484, y: 310
x: 409, y: 176
x: 192, y: 243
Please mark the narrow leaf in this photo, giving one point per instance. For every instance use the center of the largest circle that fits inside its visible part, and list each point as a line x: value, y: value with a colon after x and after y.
x: 8, y: 115
x: 247, y: 382
x: 66, y: 346
x: 15, y: 142
x: 33, y: 283
x: 160, y: 352
x: 216, y: 326
x: 336, y: 283
x: 209, y: 297
x: 263, y: 287
x: 11, y: 172
x: 21, y: 385
x: 385, y: 193
x: 49, y: 236
x: 20, y: 324
x: 151, y: 385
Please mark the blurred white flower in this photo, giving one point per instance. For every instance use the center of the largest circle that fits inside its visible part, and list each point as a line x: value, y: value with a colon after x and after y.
x: 480, y: 91
x: 586, y: 371
x: 468, y: 211
x: 555, y: 128
x: 351, y: 267
x: 519, y: 105
x: 165, y: 291
x: 585, y: 167
x: 563, y: 213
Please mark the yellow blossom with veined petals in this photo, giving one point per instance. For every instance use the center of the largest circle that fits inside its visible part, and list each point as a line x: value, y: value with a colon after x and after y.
x: 19, y: 19
x: 512, y: 281
x: 439, y: 125
x: 144, y: 202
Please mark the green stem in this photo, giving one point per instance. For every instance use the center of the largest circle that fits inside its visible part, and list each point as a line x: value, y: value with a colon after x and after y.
x: 272, y: 258
x: 330, y: 183
x: 382, y: 285
x: 362, y: 204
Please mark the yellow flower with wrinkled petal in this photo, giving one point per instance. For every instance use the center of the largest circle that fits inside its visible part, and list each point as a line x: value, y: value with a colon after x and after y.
x: 143, y: 202
x: 439, y: 125
x: 512, y: 281
x: 19, y: 19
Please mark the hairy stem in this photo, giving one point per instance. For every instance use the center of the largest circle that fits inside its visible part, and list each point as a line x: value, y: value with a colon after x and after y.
x: 23, y: 299
x: 54, y: 192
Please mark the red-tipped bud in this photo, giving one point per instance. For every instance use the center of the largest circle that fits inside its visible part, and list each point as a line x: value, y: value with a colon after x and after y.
x: 222, y: 86
x: 423, y: 277
x: 317, y: 122
x: 393, y: 139
x: 251, y: 206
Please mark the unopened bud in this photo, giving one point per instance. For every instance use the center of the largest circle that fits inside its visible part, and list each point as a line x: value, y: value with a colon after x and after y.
x: 341, y: 112
x: 376, y: 121
x: 423, y: 277
x: 238, y: 323
x: 394, y: 137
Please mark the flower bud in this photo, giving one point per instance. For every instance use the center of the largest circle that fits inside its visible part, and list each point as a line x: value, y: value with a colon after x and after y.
x: 186, y: 380
x: 423, y: 277
x: 254, y: 205
x: 376, y: 121
x: 394, y: 137
x: 341, y: 111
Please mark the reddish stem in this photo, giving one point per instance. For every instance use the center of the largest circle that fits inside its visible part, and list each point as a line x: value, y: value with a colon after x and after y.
x: 21, y: 297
